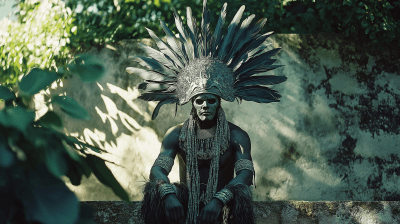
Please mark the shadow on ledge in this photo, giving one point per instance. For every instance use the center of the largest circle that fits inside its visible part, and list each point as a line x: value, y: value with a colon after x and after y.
x: 274, y: 212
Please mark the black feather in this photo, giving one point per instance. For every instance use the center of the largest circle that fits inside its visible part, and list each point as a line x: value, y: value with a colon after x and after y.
x: 160, y: 57
x: 160, y: 104
x: 165, y: 48
x: 153, y: 86
x: 260, y: 60
x: 191, y: 22
x: 216, y: 38
x: 230, y: 33
x: 239, y: 39
x: 248, y: 47
x: 172, y: 42
x: 153, y: 64
x: 259, y: 94
x: 255, y: 71
x: 250, y: 54
x: 205, y: 27
x: 150, y: 75
x: 258, y: 27
x: 156, y: 96
x: 182, y: 36
x: 260, y: 80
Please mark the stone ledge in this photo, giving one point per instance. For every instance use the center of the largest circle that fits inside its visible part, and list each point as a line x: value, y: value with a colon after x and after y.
x: 274, y: 212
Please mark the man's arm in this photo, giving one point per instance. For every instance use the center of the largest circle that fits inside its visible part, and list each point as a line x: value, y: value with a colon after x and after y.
x: 241, y: 146
x: 169, y: 147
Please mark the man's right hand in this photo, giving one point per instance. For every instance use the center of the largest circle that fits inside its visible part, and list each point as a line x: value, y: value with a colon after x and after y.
x: 174, y: 209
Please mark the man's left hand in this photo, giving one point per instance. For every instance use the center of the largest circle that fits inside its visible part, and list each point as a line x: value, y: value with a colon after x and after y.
x: 210, y: 213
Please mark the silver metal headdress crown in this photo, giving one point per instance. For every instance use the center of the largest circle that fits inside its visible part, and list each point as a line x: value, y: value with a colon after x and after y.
x: 229, y: 66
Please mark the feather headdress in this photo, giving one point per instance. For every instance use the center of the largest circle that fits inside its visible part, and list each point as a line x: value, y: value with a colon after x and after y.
x: 229, y: 66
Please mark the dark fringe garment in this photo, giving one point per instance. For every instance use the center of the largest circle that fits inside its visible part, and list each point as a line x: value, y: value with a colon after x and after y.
x: 153, y: 211
x: 241, y: 206
x: 152, y: 206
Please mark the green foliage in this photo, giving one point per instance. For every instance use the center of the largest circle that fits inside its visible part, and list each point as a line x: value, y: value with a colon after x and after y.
x: 38, y: 39
x: 113, y: 20
x: 35, y: 154
x: 47, y: 33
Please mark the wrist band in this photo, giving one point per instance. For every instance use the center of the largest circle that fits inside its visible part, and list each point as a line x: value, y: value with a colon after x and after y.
x: 244, y: 164
x: 224, y: 195
x: 165, y: 189
x: 164, y: 162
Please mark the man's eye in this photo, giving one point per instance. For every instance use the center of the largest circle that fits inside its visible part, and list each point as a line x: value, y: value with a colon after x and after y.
x: 198, y: 101
x: 211, y: 101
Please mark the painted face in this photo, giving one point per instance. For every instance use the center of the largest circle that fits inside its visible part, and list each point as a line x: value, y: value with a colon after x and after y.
x: 206, y: 106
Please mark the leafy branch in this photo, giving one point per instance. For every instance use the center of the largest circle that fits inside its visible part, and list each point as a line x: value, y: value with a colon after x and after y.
x: 35, y: 154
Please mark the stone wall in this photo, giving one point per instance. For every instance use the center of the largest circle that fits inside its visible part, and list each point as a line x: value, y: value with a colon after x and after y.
x: 333, y: 136
x: 273, y: 212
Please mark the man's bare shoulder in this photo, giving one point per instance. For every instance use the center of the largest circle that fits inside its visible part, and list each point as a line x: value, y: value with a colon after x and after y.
x: 172, y: 135
x: 238, y: 134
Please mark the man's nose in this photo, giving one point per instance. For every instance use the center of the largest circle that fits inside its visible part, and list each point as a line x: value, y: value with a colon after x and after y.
x: 205, y: 105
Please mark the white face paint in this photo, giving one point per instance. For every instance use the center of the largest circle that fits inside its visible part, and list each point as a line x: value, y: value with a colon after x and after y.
x: 206, y: 106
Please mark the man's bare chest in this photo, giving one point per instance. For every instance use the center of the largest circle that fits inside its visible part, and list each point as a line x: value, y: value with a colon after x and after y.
x: 224, y: 159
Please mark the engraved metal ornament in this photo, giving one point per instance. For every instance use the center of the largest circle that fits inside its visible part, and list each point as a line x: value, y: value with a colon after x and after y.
x: 205, y: 75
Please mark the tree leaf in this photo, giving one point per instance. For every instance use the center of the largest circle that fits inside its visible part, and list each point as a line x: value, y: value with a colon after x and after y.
x: 7, y: 158
x: 71, y: 107
x: 47, y: 200
x: 51, y: 119
x: 72, y: 141
x: 35, y: 81
x: 16, y: 117
x: 89, y: 68
x: 56, y: 163
x: 105, y: 176
x: 6, y: 93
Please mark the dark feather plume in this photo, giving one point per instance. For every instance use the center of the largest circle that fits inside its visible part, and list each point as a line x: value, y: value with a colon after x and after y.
x: 260, y: 60
x: 248, y: 47
x: 150, y: 75
x: 160, y: 104
x: 165, y: 48
x: 172, y: 42
x: 258, y: 27
x: 153, y: 86
x: 239, y: 38
x: 260, y: 80
x: 205, y: 27
x: 191, y: 22
x: 156, y: 96
x: 182, y: 35
x: 160, y: 57
x: 256, y: 71
x: 230, y: 33
x: 153, y: 65
x: 259, y: 94
x: 216, y: 38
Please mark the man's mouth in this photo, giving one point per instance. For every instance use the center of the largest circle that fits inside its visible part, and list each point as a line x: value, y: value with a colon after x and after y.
x: 206, y: 113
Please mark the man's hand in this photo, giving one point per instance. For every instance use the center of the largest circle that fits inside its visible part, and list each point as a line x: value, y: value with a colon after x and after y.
x: 210, y: 213
x: 174, y: 209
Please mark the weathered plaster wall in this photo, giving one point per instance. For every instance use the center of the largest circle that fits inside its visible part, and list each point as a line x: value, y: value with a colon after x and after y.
x: 333, y: 136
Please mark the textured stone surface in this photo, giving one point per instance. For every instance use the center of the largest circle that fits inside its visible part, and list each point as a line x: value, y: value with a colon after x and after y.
x: 333, y: 136
x: 277, y: 212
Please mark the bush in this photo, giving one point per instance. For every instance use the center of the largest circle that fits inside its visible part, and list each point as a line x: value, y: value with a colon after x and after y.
x: 38, y: 39
x: 47, y: 33
x: 35, y: 153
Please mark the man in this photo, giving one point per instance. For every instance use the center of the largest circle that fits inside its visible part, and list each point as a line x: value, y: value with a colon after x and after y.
x: 203, y: 68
